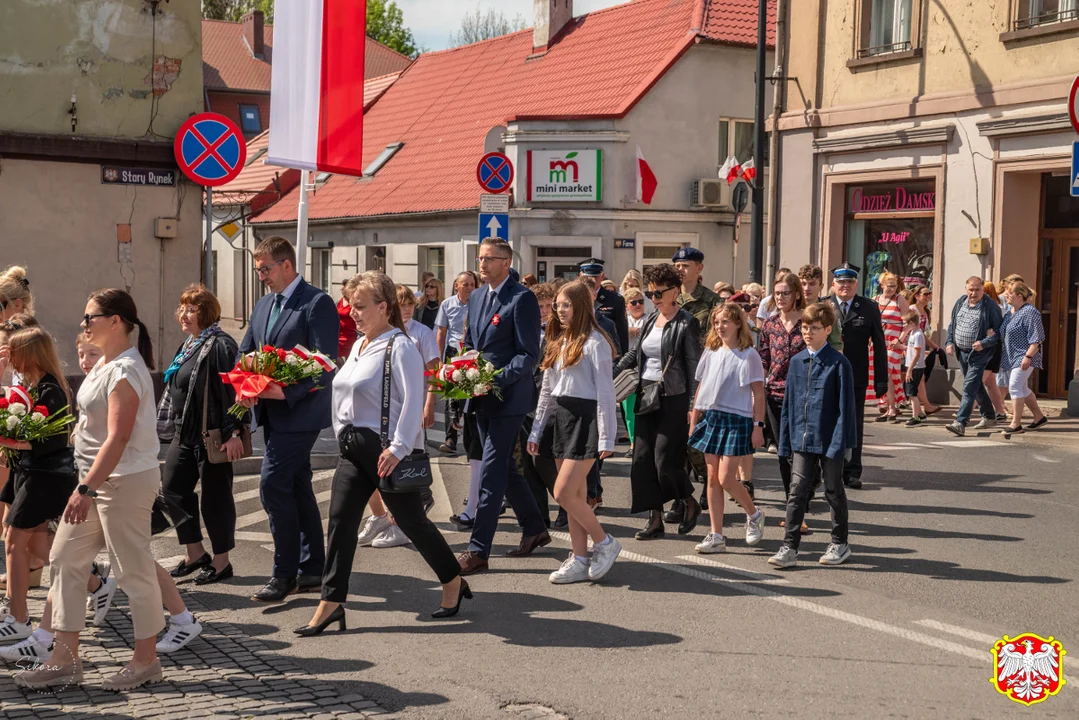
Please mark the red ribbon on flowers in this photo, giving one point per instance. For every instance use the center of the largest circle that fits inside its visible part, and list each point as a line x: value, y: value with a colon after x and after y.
x: 247, y: 384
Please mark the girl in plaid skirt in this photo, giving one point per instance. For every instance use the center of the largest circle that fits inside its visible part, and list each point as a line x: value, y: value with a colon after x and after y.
x: 727, y: 419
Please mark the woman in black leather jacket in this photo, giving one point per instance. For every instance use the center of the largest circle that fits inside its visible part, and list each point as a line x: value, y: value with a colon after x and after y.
x: 207, y: 352
x: 665, y: 353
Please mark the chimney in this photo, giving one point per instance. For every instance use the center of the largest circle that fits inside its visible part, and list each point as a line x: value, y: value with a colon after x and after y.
x: 551, y: 16
x: 253, y: 32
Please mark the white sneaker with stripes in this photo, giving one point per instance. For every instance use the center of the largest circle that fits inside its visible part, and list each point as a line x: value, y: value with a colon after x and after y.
x: 12, y: 629
x: 178, y: 636
x: 103, y: 601
x: 102, y: 570
x: 31, y: 647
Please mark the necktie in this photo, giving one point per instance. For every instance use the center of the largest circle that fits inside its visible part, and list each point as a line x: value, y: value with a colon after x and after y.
x: 275, y: 312
x: 846, y: 308
x: 486, y: 305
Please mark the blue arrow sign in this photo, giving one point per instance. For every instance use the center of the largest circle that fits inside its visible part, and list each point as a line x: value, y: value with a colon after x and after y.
x: 1075, y: 169
x: 494, y: 225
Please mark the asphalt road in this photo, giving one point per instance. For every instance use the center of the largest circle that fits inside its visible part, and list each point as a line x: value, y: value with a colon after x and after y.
x: 956, y: 543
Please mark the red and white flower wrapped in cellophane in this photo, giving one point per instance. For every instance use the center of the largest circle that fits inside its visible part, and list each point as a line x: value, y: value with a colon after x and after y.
x: 21, y: 421
x: 463, y: 377
x: 257, y: 370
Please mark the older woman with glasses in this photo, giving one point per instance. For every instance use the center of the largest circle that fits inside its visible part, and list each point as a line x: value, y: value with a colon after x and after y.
x: 665, y: 355
x: 1024, y: 335
x: 429, y: 301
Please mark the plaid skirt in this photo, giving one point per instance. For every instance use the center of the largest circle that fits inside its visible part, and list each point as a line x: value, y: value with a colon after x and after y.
x: 723, y: 433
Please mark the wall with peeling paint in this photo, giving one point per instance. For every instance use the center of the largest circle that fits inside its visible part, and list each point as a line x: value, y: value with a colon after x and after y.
x: 123, y: 64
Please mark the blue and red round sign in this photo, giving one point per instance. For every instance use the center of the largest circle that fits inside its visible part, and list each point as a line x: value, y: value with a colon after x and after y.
x: 210, y: 149
x: 495, y: 172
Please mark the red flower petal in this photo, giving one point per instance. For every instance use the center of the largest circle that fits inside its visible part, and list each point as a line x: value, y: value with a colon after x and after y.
x: 267, y: 348
x: 41, y: 409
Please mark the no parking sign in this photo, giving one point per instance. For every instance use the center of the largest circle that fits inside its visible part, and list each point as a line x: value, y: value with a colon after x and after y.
x: 210, y: 149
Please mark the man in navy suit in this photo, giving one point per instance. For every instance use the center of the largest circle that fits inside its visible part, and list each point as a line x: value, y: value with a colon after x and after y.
x: 294, y: 313
x: 504, y: 325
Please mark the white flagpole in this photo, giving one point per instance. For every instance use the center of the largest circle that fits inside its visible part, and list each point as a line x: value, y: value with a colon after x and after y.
x: 301, y: 226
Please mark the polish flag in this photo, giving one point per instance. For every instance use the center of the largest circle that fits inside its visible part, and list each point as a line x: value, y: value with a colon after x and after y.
x: 316, y: 115
x: 749, y: 171
x: 730, y: 169
x: 646, y: 179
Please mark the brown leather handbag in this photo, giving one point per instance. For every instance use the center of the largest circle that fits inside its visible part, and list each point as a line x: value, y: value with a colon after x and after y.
x: 212, y: 438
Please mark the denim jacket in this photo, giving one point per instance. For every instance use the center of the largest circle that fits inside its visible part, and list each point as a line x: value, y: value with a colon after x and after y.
x: 819, y: 415
x: 991, y: 320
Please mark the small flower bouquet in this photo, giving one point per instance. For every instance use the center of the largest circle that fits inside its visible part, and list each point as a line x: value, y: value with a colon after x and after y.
x: 257, y: 370
x: 463, y: 377
x: 21, y: 421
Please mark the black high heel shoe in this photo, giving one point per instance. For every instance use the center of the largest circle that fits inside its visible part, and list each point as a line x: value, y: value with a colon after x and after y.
x: 654, y: 529
x: 338, y: 616
x: 444, y: 612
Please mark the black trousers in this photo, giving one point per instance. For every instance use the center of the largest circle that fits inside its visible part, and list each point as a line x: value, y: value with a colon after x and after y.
x: 184, y: 466
x: 352, y: 487
x: 803, y: 470
x: 658, y: 473
x: 852, y: 469
x: 453, y: 408
x: 540, y: 472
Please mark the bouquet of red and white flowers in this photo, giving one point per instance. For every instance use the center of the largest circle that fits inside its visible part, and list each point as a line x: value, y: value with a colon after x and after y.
x: 258, y: 370
x: 21, y: 421
x: 463, y: 377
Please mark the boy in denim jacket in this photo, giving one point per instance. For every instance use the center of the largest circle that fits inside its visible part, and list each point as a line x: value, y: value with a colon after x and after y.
x: 818, y: 427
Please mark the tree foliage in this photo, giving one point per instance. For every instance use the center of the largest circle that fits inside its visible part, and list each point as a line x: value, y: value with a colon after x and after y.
x: 386, y: 23
x: 235, y: 9
x: 479, y: 25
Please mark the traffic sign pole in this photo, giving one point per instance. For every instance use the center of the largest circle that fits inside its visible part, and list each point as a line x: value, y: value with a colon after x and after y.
x: 209, y: 240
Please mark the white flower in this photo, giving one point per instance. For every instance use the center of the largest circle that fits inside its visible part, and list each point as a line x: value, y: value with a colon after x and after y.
x: 37, y: 417
x: 457, y: 376
x: 479, y: 389
x: 292, y: 360
x: 473, y: 374
x: 17, y: 409
x: 488, y: 366
x: 12, y: 422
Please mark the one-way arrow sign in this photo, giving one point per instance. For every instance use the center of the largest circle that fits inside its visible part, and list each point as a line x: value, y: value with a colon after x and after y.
x: 494, y: 225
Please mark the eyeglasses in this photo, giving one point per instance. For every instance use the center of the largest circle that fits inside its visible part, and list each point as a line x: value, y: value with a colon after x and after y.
x: 636, y: 302
x: 781, y: 293
x: 489, y: 258
x: 89, y: 318
x: 430, y: 287
x: 656, y: 294
x: 814, y: 329
x: 265, y: 269
x: 563, y: 306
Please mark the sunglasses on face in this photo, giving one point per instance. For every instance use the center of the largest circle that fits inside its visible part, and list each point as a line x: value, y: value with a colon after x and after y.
x: 89, y: 318
x: 656, y: 294
x: 635, y: 303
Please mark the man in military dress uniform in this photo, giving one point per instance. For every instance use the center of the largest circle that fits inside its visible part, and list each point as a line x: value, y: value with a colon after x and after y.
x: 609, y: 304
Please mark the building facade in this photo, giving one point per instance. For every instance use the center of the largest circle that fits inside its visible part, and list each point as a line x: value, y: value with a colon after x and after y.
x: 932, y: 139
x: 90, y: 196
x: 569, y: 102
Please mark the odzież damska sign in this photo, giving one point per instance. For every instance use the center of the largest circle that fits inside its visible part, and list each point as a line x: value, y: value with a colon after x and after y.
x: 897, y: 199
x: 565, y: 175
x: 111, y: 175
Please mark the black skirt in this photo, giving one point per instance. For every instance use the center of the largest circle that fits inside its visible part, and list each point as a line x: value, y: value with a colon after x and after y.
x: 37, y: 498
x: 572, y: 432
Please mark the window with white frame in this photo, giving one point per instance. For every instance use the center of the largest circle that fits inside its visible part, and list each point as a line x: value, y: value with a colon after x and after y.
x: 1034, y: 13
x: 736, y: 138
x: 887, y: 27
x: 321, y: 264
x: 435, y: 262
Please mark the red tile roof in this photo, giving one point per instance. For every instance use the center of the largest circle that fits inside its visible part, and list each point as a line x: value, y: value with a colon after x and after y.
x: 227, y: 62
x: 255, y: 185
x: 373, y: 88
x: 445, y: 103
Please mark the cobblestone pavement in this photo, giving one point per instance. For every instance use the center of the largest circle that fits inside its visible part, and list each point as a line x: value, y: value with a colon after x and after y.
x: 222, y: 674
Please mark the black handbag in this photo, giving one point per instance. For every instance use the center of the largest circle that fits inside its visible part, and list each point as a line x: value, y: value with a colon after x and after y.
x: 413, y: 473
x: 648, y: 402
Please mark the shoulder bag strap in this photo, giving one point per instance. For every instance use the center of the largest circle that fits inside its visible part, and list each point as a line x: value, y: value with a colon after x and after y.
x: 385, y: 433
x: 206, y: 390
x: 663, y: 372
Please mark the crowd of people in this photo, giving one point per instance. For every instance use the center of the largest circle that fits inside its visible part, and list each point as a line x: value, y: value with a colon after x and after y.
x: 704, y: 378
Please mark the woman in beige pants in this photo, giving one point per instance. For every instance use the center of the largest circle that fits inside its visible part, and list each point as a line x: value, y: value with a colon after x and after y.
x: 116, y: 449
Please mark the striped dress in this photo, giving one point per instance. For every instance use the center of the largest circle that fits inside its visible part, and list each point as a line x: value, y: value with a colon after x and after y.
x: 892, y: 320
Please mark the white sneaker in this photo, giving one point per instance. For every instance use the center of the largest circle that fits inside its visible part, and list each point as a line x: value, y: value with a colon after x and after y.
x: 178, y: 636
x: 603, y: 557
x: 572, y: 571
x: 392, y: 536
x: 28, y: 648
x: 12, y: 629
x: 102, y: 570
x: 986, y: 423
x: 103, y: 601
x: 375, y: 524
x: 5, y: 607
x: 835, y: 554
x: 785, y: 558
x: 755, y: 528
x: 713, y: 543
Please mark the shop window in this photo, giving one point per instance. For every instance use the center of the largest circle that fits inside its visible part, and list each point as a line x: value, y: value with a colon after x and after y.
x: 891, y: 227
x: 1035, y: 13
x: 885, y: 27
x: 1061, y: 209
x: 250, y: 119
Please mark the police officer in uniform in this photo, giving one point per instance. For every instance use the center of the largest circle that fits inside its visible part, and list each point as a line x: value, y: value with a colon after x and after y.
x: 860, y: 318
x: 609, y: 304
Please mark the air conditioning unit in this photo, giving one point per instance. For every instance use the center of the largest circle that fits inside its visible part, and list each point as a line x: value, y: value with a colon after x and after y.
x: 710, y: 193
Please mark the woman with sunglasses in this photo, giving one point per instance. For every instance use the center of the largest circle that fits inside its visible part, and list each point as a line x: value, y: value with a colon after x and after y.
x: 428, y: 303
x: 665, y: 355
x: 633, y: 280
x: 635, y: 316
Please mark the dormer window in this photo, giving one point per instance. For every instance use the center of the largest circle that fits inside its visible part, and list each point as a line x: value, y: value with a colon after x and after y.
x: 382, y: 159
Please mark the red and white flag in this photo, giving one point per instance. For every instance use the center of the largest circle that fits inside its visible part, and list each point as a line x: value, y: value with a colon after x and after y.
x: 646, y: 179
x: 749, y: 171
x: 730, y: 169
x: 316, y: 115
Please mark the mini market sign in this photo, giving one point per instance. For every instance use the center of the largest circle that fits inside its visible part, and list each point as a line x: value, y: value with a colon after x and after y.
x: 565, y: 176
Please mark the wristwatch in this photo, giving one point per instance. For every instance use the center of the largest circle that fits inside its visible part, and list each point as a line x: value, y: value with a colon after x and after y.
x: 236, y: 433
x: 84, y: 489
x: 759, y: 424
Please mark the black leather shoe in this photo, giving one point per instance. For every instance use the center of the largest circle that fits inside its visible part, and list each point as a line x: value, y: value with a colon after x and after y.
x: 676, y: 513
x: 704, y: 499
x: 562, y: 520
x: 654, y: 529
x: 693, y: 512
x: 853, y: 483
x: 748, y: 485
x: 210, y: 575
x: 462, y: 523
x: 337, y: 616
x: 276, y: 590
x: 182, y: 569
x: 308, y: 583
x: 444, y: 612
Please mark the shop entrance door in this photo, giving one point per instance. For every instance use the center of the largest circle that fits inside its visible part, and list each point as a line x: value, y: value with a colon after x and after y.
x: 559, y: 262
x: 1058, y: 300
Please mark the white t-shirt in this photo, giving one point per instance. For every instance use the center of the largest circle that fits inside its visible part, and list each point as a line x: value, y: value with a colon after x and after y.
x: 142, y: 449
x: 652, y: 347
x: 763, y: 313
x: 424, y: 339
x: 725, y: 377
x: 915, y: 340
x: 591, y: 378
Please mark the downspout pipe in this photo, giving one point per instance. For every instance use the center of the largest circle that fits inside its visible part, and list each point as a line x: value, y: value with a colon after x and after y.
x: 779, y: 101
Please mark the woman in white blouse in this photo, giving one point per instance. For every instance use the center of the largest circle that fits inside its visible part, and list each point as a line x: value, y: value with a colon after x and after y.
x: 357, y: 422
x: 575, y: 422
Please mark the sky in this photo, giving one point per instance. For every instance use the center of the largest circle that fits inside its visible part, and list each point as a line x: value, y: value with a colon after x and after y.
x: 432, y: 21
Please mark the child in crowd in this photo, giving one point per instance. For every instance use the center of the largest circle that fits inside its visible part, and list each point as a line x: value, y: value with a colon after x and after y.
x: 818, y: 426
x: 914, y: 364
x: 727, y: 419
